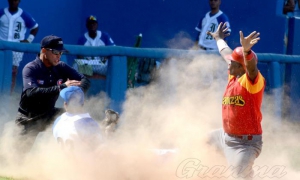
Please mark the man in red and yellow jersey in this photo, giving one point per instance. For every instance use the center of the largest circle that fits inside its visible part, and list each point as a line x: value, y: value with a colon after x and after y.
x: 241, y: 136
x: 243, y: 96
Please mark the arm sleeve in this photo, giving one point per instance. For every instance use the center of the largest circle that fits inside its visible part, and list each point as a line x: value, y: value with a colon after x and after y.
x: 29, y: 21
x: 223, y: 18
x: 199, y: 25
x: 85, y: 84
x: 31, y: 86
x: 42, y: 92
x: 108, y: 40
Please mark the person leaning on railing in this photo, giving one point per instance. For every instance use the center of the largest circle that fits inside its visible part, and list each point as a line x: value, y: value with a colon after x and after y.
x: 93, y: 66
x: 14, y: 22
x: 210, y: 22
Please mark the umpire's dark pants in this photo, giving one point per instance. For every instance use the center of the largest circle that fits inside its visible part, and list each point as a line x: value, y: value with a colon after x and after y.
x: 31, y: 126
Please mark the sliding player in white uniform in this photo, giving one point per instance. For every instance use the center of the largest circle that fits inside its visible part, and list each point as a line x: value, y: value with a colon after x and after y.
x: 210, y: 23
x: 14, y: 23
x: 75, y: 130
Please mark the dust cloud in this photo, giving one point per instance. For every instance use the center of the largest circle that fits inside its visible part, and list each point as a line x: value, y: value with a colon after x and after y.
x: 161, y: 135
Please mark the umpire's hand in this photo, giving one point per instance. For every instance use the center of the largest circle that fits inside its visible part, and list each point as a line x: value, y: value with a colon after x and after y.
x: 72, y: 83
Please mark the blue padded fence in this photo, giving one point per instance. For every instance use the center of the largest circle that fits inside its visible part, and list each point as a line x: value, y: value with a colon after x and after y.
x: 280, y: 71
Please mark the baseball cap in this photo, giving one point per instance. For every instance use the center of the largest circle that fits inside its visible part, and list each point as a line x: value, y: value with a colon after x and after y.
x: 72, y: 95
x: 91, y: 18
x: 53, y: 42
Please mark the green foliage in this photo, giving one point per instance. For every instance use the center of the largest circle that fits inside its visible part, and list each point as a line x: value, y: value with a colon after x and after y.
x: 10, y: 178
x: 132, y: 63
x: 6, y: 178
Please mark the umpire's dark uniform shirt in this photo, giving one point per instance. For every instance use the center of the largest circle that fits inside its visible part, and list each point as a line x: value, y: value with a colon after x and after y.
x: 41, y: 86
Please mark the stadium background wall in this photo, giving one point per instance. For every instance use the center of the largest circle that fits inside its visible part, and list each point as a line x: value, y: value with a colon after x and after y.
x: 161, y: 22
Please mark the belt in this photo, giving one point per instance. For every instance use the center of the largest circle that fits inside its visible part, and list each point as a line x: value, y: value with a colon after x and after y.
x: 246, y: 137
x: 28, y: 114
x: 204, y: 48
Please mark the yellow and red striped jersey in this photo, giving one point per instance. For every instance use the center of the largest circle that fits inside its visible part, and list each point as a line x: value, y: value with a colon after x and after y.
x: 241, y: 105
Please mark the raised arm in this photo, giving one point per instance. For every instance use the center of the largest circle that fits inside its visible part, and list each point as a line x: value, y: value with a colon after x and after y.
x: 219, y: 35
x: 250, y: 58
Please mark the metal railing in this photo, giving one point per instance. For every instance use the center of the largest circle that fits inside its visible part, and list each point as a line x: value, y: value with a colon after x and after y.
x: 279, y: 70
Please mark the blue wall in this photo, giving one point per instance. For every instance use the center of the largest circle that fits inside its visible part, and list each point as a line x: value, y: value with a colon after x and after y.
x: 158, y: 20
x: 59, y: 17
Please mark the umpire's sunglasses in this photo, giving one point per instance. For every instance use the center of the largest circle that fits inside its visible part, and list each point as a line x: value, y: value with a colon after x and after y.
x: 56, y: 52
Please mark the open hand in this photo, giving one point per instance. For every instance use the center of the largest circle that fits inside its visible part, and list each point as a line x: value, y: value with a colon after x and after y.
x: 249, y: 41
x: 221, y: 32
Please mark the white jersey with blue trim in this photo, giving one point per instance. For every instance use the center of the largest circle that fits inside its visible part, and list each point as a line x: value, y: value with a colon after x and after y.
x: 13, y: 26
x: 102, y: 39
x: 210, y: 23
x: 80, y: 129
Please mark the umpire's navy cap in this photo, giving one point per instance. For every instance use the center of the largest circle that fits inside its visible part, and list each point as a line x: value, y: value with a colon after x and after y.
x: 53, y: 42
x: 72, y: 95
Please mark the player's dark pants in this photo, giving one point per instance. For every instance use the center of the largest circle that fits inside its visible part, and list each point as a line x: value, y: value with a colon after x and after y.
x: 32, y: 125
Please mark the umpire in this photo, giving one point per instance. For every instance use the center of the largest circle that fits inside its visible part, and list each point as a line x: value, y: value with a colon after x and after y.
x: 43, y: 79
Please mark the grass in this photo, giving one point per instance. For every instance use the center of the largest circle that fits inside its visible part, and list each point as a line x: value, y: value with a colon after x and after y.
x: 10, y: 178
x: 6, y: 178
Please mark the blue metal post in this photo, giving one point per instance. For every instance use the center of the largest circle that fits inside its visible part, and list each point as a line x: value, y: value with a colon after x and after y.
x: 7, y: 72
x: 116, y: 81
x: 276, y: 92
x: 293, y: 45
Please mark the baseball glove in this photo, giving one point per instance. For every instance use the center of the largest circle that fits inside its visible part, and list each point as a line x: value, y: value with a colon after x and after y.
x: 111, y: 116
